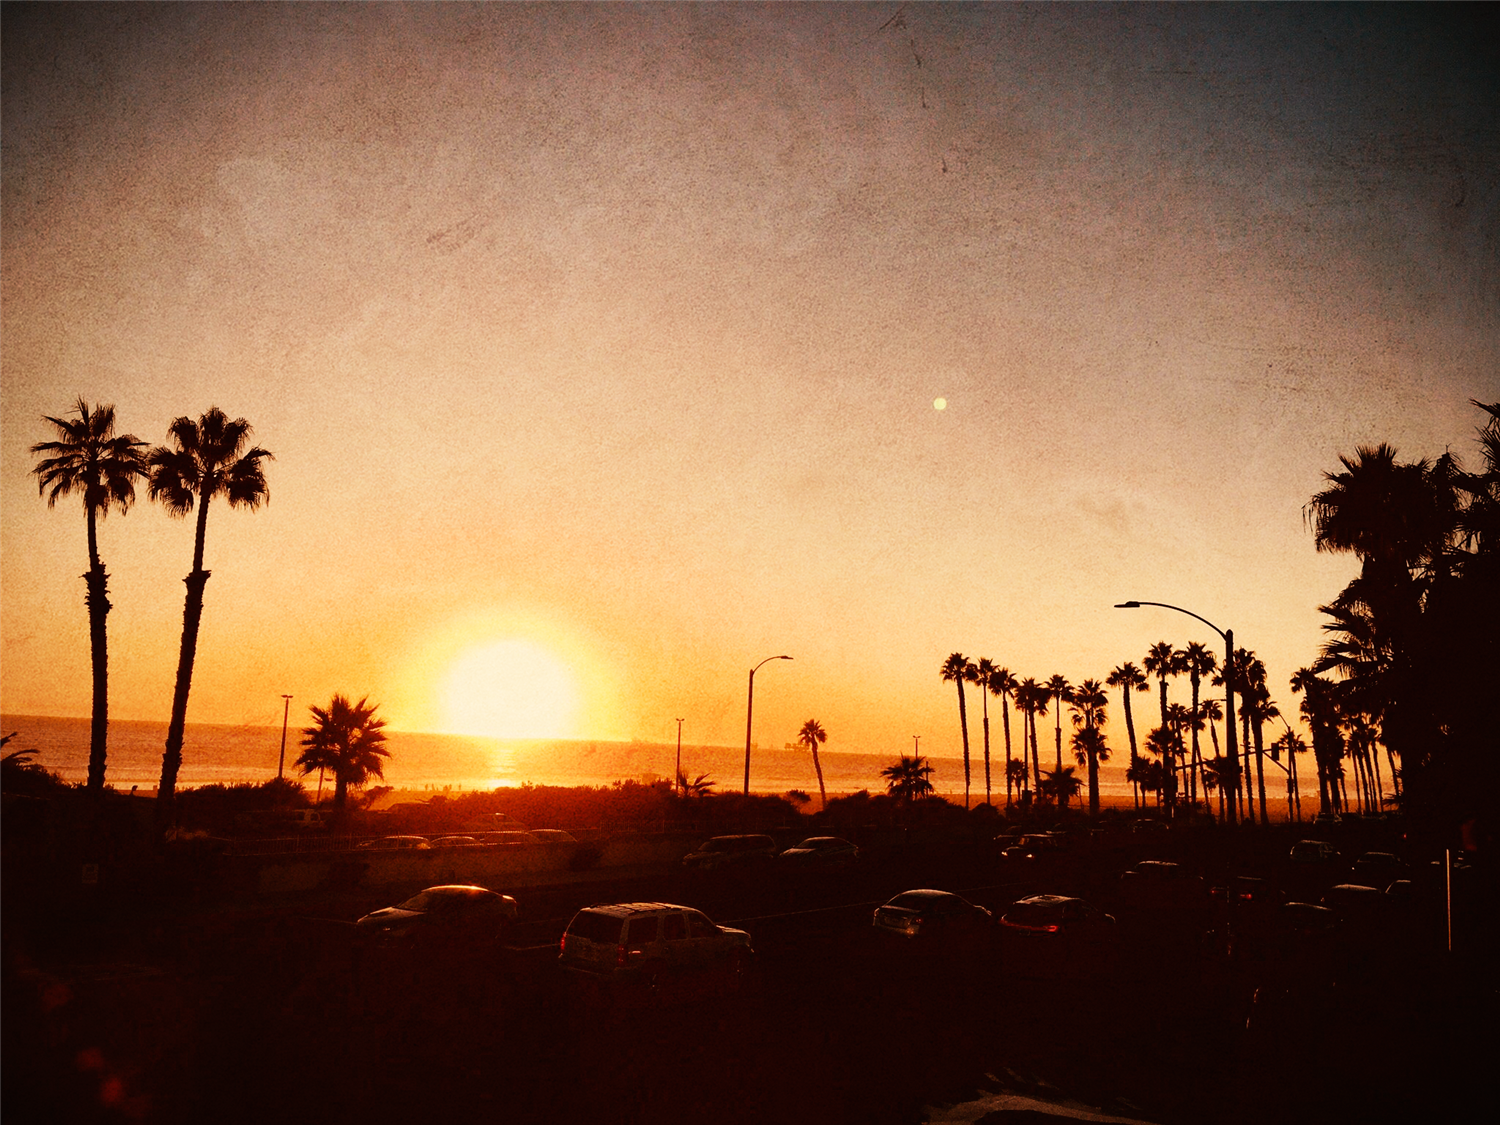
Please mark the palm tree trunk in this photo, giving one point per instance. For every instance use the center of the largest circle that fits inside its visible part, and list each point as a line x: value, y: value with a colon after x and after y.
x: 984, y: 695
x: 1036, y: 758
x: 963, y: 723
x: 1260, y: 770
x: 1005, y: 715
x: 819, y: 767
x: 1135, y: 759
x: 97, y: 600
x: 1093, y: 784
x: 171, y: 760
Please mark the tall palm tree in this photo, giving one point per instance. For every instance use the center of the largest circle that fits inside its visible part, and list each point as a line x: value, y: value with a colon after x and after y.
x: 1127, y: 677
x: 956, y: 668
x: 980, y: 673
x: 1003, y: 684
x: 1089, y: 746
x: 1061, y: 691
x: 1017, y: 773
x: 1032, y: 698
x: 90, y: 459
x: 1198, y: 661
x: 1256, y: 708
x: 348, y: 741
x: 208, y: 459
x: 809, y: 737
x: 910, y: 779
x: 1163, y: 661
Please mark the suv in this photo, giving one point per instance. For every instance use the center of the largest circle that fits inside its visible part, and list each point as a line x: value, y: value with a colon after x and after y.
x: 730, y: 851
x: 652, y: 945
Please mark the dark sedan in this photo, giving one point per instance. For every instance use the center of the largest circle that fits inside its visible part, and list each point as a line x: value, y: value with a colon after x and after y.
x: 450, y: 915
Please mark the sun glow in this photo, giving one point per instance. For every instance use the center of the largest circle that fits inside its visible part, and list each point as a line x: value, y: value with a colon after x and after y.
x: 510, y: 689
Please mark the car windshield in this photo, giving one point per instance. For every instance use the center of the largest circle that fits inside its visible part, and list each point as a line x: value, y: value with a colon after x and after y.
x: 912, y: 900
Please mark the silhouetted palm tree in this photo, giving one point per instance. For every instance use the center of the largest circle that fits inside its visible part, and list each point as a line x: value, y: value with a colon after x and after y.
x: 909, y: 779
x: 348, y: 741
x: 956, y: 668
x: 1016, y: 772
x: 1060, y: 785
x: 90, y: 459
x: 696, y: 789
x: 980, y: 673
x: 1163, y: 661
x: 1032, y: 698
x: 1127, y: 677
x: 1198, y: 662
x: 1061, y: 691
x: 1320, y: 709
x: 1088, y: 743
x: 809, y: 738
x: 1147, y: 774
x: 1003, y: 684
x: 209, y: 459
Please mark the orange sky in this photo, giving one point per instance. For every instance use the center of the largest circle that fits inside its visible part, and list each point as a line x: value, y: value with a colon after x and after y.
x: 617, y: 330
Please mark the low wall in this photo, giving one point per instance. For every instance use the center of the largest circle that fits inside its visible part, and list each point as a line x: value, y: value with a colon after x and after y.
x: 495, y: 867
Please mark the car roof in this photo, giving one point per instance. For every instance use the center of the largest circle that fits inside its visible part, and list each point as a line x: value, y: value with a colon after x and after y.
x: 1046, y: 900
x: 460, y: 890
x: 625, y: 909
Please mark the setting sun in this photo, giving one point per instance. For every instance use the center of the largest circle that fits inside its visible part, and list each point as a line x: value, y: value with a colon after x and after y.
x: 510, y: 689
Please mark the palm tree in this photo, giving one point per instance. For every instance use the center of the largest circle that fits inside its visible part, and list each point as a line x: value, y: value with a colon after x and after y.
x: 1320, y: 709
x: 980, y: 673
x: 1016, y: 773
x: 89, y: 458
x: 1127, y: 677
x: 1060, y: 785
x: 1290, y: 744
x: 1147, y: 775
x: 1198, y: 661
x: 808, y: 738
x: 1003, y: 684
x: 347, y: 740
x: 1032, y: 698
x: 209, y: 460
x: 1089, y: 746
x: 1163, y: 661
x: 698, y: 788
x: 1061, y: 691
x: 956, y: 668
x: 909, y: 779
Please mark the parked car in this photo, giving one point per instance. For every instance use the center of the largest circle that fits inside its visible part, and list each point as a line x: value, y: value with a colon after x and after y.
x: 1155, y: 883
x: 454, y: 915
x: 1378, y: 869
x: 1313, y: 851
x: 730, y: 852
x: 654, y: 948
x: 455, y: 842
x: 820, y: 853
x: 934, y: 918
x: 1034, y: 846
x: 390, y: 843
x: 1061, y: 924
x: 507, y: 839
x: 553, y: 836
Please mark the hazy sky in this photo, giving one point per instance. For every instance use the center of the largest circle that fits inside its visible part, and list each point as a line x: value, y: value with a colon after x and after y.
x: 617, y: 330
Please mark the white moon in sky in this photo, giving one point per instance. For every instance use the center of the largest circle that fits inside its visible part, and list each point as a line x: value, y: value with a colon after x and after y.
x: 940, y: 404
x: 510, y: 689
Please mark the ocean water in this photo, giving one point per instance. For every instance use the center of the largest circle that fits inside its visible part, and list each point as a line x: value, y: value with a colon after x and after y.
x: 234, y: 754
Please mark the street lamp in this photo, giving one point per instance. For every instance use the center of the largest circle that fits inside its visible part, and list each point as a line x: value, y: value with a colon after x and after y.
x: 679, y: 755
x: 286, y: 710
x: 749, y: 710
x: 1231, y: 744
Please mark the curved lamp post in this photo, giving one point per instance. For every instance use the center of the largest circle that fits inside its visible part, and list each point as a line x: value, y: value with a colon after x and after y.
x: 1231, y: 744
x: 750, y: 710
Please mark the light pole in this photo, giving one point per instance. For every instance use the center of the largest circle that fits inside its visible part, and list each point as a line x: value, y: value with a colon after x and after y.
x: 749, y: 711
x: 286, y: 710
x: 679, y: 756
x: 1231, y: 744
x: 916, y: 745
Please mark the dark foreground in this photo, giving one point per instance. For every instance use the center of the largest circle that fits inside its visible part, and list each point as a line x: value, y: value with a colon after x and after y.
x: 217, y: 1012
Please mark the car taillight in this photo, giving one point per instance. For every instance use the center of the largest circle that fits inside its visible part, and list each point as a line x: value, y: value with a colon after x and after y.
x: 620, y: 955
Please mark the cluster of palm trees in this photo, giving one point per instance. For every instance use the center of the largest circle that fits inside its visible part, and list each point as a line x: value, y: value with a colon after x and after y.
x: 1176, y: 771
x: 1412, y: 642
x: 206, y: 459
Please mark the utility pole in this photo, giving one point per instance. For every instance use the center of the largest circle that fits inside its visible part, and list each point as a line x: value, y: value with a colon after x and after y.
x: 680, y: 782
x: 286, y: 710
